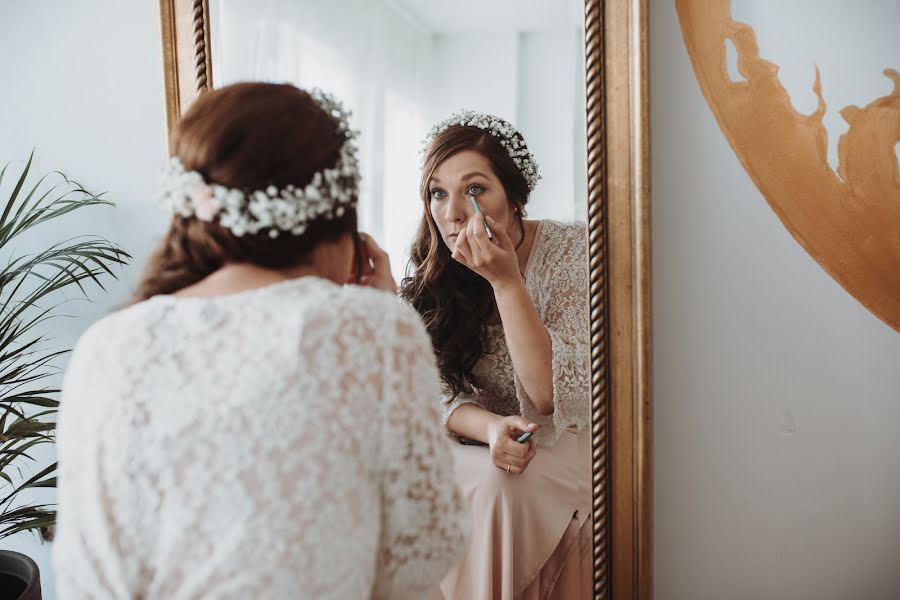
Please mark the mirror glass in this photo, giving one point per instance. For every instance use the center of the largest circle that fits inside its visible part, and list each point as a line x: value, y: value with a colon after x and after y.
x: 402, y: 66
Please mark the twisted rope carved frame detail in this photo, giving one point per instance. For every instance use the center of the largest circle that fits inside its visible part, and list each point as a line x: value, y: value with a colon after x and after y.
x: 187, y: 55
x: 202, y: 50
x: 598, y: 284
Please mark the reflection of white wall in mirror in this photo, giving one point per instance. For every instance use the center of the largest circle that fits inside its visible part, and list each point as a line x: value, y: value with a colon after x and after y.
x: 474, y: 71
x: 469, y: 16
x: 551, y: 112
x: 402, y: 207
x: 535, y: 80
x: 524, y: 61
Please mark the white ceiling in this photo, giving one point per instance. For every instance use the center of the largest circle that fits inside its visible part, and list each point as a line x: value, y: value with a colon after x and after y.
x: 459, y: 16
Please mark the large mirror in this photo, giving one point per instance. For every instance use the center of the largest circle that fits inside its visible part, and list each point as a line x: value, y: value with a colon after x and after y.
x: 403, y: 66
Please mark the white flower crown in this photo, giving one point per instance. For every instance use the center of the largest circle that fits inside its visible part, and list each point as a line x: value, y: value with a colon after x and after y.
x: 330, y: 194
x: 508, y: 136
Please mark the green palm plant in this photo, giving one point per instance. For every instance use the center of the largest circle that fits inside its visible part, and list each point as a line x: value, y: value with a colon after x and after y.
x: 31, y: 293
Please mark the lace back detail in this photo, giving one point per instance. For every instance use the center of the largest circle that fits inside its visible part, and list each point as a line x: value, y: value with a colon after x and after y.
x: 252, y: 446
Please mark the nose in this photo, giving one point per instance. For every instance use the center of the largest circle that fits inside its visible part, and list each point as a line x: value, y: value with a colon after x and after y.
x: 456, y: 208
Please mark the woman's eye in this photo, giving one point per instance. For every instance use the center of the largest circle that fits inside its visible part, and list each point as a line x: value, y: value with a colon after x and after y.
x: 475, y: 190
x: 437, y: 194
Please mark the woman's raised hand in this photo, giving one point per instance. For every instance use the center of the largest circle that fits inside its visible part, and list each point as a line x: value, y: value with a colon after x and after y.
x: 495, y: 260
x: 376, y: 266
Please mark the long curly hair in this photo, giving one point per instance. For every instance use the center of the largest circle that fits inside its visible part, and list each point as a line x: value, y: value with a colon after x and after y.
x: 246, y: 136
x: 454, y: 302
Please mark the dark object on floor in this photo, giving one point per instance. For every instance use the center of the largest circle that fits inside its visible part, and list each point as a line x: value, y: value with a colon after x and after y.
x: 20, y: 578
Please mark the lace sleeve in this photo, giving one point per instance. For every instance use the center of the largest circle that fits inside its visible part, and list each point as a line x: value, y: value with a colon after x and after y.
x: 77, y: 560
x: 423, y: 518
x: 563, y: 305
x: 449, y: 406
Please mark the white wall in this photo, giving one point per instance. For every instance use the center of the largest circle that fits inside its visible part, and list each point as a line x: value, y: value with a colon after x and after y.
x: 82, y: 83
x: 776, y: 394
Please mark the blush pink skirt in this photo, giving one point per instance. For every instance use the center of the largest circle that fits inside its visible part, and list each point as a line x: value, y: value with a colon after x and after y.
x: 531, y: 534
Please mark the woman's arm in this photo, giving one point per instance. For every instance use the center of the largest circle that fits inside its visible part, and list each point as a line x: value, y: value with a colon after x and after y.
x: 472, y: 421
x: 500, y: 433
x: 527, y: 337
x: 529, y: 343
x: 561, y: 273
x: 423, y: 518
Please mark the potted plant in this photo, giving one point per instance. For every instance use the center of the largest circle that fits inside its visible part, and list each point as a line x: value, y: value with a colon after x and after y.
x: 31, y: 292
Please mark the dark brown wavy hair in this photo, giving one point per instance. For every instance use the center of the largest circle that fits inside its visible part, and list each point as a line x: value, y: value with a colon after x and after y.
x: 455, y: 303
x: 246, y: 136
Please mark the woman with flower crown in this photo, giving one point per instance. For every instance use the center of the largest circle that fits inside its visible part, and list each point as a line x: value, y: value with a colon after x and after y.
x: 504, y: 299
x: 252, y: 427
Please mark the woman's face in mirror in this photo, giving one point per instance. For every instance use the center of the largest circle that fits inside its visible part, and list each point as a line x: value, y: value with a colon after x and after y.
x: 467, y: 173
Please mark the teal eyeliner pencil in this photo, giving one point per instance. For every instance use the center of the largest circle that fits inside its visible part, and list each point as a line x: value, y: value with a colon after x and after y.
x: 487, y: 229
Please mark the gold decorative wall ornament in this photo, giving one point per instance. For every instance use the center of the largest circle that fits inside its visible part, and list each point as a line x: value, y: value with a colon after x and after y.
x: 849, y: 220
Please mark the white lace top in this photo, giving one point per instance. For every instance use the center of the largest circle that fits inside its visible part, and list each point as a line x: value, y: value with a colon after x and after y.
x: 556, y: 276
x: 269, y: 444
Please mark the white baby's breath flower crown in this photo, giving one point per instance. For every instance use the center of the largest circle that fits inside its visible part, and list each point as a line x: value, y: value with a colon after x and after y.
x: 330, y: 194
x: 508, y: 136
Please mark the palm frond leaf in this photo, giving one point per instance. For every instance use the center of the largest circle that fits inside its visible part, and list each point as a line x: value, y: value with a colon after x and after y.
x: 28, y: 518
x: 32, y: 291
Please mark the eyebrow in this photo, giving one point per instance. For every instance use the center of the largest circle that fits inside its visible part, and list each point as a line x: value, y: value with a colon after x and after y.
x: 464, y: 177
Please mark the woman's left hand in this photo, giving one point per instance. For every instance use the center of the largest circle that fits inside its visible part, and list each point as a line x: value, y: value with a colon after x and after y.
x: 495, y: 260
x: 376, y: 266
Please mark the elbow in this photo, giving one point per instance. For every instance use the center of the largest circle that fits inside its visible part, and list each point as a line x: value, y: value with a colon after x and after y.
x: 544, y: 406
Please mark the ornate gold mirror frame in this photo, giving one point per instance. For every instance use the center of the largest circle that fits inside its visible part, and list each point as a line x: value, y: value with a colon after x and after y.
x: 626, y: 122
x: 618, y: 150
